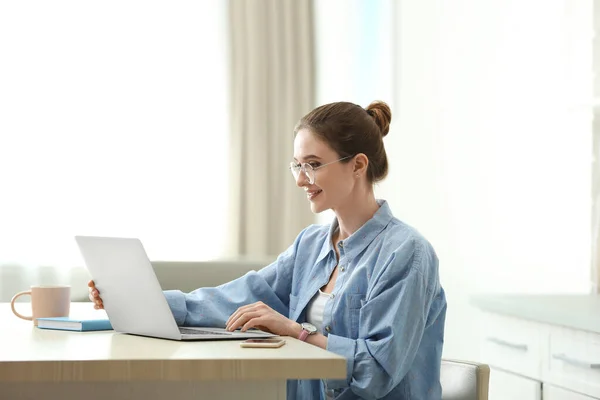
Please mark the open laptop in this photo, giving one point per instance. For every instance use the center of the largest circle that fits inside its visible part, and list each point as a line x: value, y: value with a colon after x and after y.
x: 132, y: 296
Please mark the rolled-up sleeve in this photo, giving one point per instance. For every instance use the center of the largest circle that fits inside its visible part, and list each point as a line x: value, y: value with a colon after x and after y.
x: 391, y: 324
x: 176, y: 301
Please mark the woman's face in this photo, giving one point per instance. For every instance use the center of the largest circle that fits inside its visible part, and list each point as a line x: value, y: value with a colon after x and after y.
x: 333, y: 183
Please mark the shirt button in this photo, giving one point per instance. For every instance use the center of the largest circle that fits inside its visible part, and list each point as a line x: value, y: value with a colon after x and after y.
x: 342, y: 269
x: 327, y: 328
x: 332, y: 295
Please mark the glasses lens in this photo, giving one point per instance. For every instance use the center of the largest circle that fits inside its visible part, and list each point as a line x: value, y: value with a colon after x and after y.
x: 295, y: 168
x: 310, y: 173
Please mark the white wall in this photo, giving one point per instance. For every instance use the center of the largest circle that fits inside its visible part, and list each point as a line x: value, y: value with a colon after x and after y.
x: 490, y: 151
x: 354, y: 54
x: 489, y: 147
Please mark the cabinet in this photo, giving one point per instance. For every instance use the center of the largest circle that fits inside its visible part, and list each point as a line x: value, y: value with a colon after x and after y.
x: 556, y: 393
x: 513, y: 345
x: 542, y: 348
x: 573, y: 360
x: 510, y: 386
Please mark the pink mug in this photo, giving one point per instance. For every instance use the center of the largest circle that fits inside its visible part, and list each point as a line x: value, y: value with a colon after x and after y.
x: 46, y: 301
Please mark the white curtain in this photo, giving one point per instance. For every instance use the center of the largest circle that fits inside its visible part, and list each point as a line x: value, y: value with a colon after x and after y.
x: 272, y: 87
x: 113, y: 121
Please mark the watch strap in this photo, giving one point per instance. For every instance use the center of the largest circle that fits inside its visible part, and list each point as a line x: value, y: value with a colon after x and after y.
x: 303, y: 335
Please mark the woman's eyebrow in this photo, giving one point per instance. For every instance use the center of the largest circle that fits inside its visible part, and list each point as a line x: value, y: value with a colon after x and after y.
x: 310, y: 156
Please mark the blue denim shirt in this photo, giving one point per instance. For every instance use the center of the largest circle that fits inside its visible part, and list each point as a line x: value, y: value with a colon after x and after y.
x: 386, y: 317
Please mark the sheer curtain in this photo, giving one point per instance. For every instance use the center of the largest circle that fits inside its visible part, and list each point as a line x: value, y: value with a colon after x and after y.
x: 272, y: 79
x: 113, y: 121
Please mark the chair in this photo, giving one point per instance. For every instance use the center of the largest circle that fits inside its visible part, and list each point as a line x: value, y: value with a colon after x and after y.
x: 464, y: 380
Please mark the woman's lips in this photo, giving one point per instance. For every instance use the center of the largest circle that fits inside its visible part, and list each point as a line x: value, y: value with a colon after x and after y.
x: 311, y: 194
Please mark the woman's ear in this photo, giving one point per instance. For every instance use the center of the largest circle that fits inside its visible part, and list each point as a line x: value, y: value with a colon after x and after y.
x: 361, y: 162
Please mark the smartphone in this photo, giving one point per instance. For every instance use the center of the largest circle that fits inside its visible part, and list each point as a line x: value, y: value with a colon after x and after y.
x: 264, y: 343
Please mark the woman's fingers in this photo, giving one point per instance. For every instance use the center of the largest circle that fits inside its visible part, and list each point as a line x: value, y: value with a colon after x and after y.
x: 94, y: 295
x: 261, y: 316
x: 96, y: 300
x: 98, y: 304
x: 234, y: 321
x: 240, y: 311
x: 242, y: 320
x: 254, y: 322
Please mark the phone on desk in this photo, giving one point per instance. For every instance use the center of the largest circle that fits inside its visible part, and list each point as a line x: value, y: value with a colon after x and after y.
x: 264, y: 343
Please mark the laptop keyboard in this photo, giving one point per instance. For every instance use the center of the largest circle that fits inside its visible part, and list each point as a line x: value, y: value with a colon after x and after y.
x: 187, y: 331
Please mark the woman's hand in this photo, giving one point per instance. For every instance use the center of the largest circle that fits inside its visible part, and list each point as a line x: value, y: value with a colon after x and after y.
x: 261, y: 316
x: 95, y: 296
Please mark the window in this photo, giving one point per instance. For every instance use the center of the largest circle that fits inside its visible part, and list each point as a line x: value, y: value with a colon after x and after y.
x: 113, y: 121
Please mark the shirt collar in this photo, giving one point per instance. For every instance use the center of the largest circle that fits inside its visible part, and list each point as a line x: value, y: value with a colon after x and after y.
x: 327, y: 246
x: 359, y: 240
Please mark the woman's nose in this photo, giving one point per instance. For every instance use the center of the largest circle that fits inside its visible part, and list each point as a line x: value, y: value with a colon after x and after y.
x: 301, y: 180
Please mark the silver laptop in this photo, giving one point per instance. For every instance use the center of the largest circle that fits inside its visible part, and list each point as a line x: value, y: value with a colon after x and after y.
x: 132, y: 296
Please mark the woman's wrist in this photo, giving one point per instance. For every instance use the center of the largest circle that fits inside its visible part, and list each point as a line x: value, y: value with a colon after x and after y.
x: 318, y: 339
x: 294, y: 330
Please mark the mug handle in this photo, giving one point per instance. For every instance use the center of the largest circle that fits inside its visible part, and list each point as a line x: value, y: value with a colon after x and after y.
x: 12, y: 305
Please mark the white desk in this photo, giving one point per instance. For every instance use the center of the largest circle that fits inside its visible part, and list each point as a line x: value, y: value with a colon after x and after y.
x: 48, y: 364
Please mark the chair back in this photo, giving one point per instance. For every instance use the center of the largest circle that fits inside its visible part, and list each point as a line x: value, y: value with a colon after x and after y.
x: 464, y: 380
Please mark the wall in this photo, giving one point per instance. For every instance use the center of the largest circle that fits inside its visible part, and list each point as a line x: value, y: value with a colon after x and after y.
x: 491, y: 155
x: 354, y: 54
x: 489, y: 148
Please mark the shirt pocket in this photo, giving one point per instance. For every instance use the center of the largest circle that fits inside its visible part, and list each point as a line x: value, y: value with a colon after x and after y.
x: 355, y: 303
x: 293, y: 306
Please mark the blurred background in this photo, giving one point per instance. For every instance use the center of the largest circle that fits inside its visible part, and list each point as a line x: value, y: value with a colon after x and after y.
x: 173, y: 122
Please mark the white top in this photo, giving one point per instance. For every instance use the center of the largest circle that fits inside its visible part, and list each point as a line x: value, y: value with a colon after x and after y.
x: 314, y: 314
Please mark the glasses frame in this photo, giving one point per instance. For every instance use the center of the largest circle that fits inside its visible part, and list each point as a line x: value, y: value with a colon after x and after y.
x: 306, y: 167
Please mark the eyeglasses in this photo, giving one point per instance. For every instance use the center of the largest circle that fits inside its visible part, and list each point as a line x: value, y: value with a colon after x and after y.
x: 309, y: 169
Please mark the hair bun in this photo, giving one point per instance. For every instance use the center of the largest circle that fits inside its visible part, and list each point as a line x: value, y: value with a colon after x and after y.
x: 382, y: 115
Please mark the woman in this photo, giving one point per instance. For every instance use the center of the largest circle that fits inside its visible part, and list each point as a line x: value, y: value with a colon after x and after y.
x: 365, y: 287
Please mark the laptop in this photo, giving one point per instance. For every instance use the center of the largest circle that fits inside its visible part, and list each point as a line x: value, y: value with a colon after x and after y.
x: 132, y: 296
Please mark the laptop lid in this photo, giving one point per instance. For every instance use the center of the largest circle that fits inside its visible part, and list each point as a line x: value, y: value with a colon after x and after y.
x: 130, y: 291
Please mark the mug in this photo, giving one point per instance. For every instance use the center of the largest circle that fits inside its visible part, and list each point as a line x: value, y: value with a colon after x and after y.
x: 46, y: 301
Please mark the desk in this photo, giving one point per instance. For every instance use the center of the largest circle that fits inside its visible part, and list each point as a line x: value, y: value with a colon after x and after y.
x: 104, y: 365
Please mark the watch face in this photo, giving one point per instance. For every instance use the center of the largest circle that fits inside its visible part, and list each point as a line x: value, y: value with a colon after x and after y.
x: 309, y: 327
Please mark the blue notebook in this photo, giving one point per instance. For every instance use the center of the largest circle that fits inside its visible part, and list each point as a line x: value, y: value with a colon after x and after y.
x: 73, y: 324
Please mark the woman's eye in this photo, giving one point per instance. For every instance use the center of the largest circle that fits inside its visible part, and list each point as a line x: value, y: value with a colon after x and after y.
x: 314, y: 164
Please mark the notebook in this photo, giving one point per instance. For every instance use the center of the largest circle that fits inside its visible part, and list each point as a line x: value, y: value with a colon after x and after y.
x: 71, y: 324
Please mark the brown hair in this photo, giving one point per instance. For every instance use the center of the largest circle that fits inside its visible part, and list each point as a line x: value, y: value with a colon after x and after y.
x: 350, y: 129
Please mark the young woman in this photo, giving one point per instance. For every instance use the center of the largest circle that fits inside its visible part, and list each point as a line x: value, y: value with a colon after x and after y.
x: 365, y: 287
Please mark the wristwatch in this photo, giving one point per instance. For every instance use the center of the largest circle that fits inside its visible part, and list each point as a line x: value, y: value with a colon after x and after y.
x: 307, y: 329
